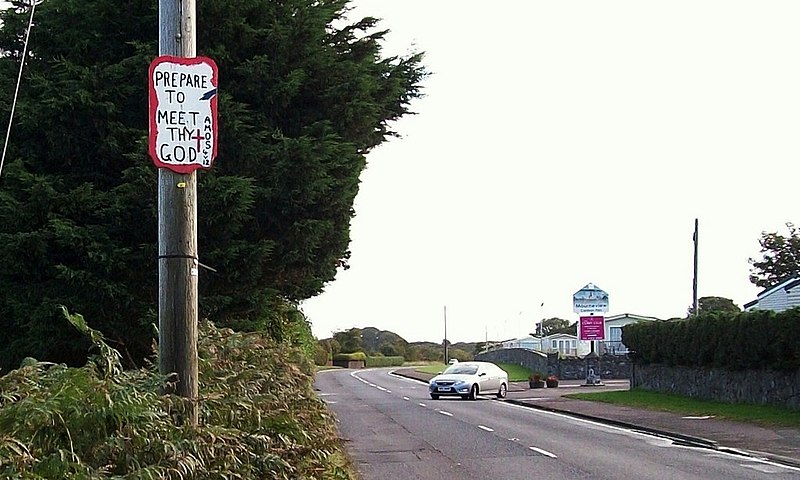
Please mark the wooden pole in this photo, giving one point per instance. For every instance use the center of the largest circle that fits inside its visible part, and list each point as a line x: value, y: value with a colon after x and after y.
x: 696, y: 239
x: 177, y: 235
x: 445, y: 336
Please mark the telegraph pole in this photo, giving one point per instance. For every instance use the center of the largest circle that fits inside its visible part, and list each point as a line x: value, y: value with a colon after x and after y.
x: 696, y: 238
x: 445, y: 335
x: 177, y: 234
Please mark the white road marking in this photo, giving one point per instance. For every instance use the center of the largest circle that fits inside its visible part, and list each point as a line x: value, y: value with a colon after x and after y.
x: 543, y: 452
x: 445, y: 413
x: 406, y: 398
x: 486, y: 428
x: 635, y: 433
x: 762, y: 468
x: 702, y: 417
x: 756, y: 463
x: 422, y: 404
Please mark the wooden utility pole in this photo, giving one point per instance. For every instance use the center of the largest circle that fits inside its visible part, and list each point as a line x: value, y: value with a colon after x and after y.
x: 177, y: 234
x: 696, y: 239
x: 445, y: 336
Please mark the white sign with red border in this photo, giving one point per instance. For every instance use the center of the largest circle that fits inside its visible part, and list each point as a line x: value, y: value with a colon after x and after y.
x: 183, y: 113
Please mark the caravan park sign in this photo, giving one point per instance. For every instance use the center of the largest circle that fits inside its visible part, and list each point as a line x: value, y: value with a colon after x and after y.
x: 590, y: 299
x: 183, y: 113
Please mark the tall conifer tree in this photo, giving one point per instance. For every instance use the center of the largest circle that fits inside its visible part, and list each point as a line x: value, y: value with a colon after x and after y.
x: 305, y: 94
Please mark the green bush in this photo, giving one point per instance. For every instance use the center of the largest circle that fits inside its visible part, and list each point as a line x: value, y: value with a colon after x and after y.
x: 259, y: 417
x: 731, y: 340
x: 394, y: 361
x: 350, y: 357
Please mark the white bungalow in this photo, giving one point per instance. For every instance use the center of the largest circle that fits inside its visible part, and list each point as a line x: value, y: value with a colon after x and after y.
x: 613, y: 331
x: 782, y: 296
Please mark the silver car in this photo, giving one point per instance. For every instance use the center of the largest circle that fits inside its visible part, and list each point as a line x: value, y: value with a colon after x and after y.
x: 469, y: 379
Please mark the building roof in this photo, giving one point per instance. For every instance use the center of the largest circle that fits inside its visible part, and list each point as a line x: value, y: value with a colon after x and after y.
x: 560, y: 335
x: 787, y: 284
x: 632, y: 316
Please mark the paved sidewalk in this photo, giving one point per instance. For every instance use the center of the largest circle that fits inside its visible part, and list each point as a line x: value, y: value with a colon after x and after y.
x: 777, y: 444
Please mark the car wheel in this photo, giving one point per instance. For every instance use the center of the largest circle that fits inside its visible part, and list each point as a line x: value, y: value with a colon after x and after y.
x: 503, y: 391
x: 473, y: 392
x: 434, y: 396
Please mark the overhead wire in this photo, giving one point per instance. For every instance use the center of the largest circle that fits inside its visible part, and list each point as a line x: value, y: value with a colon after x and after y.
x: 16, y: 90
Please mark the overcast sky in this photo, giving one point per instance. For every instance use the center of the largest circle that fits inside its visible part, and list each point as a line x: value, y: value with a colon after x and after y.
x: 563, y: 143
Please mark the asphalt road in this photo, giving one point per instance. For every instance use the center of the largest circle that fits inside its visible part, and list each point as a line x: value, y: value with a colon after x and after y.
x: 393, y: 430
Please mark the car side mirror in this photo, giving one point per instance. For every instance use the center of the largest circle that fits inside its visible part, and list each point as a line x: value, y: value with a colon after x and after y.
x: 439, y: 373
x: 482, y: 374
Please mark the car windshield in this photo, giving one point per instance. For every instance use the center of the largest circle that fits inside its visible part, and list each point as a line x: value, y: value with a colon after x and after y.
x: 461, y: 369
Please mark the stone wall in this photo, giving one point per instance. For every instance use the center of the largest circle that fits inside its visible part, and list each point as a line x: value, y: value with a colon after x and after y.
x: 749, y: 386
x: 604, y: 366
x: 354, y: 364
x: 567, y: 368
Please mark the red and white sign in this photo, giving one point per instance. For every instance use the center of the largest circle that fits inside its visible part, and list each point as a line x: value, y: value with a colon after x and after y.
x: 593, y: 328
x: 183, y: 113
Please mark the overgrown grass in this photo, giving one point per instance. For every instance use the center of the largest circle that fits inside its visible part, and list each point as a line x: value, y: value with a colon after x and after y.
x: 757, y: 414
x: 259, y: 417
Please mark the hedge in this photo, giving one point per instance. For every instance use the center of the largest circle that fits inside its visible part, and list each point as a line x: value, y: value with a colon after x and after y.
x: 760, y: 339
x: 350, y: 357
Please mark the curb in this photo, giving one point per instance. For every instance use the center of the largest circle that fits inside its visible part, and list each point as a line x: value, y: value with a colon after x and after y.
x: 686, y: 440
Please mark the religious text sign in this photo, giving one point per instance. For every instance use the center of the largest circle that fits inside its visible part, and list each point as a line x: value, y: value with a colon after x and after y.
x: 183, y: 113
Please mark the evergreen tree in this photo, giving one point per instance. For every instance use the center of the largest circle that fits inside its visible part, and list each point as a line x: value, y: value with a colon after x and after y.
x: 304, y: 96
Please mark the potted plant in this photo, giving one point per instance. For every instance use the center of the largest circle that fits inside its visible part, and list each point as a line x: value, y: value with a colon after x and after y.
x: 551, y: 381
x: 535, y: 380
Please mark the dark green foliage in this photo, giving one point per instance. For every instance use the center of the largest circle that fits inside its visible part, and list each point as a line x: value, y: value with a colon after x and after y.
x: 715, y: 304
x: 259, y: 417
x: 321, y: 355
x: 301, y: 103
x: 349, y: 341
x: 781, y: 258
x: 553, y: 325
x: 383, y: 341
x: 730, y: 340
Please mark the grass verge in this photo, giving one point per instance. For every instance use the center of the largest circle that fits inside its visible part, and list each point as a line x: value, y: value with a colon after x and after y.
x: 515, y: 372
x: 758, y: 414
x: 433, y: 368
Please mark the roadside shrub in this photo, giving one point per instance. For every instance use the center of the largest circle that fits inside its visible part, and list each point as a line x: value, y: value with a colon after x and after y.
x: 259, y: 417
x: 321, y: 355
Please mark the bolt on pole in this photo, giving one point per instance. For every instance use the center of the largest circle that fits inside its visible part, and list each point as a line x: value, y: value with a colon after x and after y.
x: 177, y: 236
